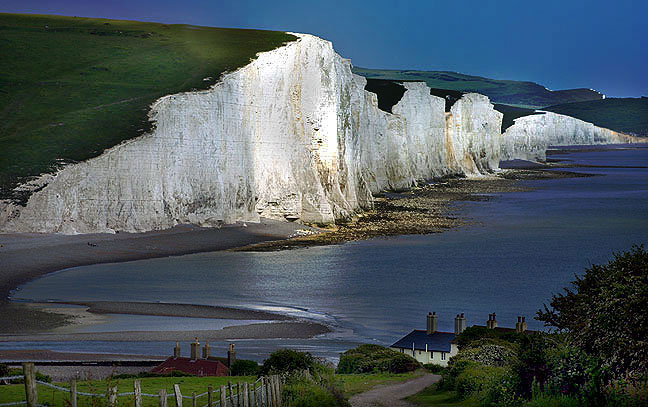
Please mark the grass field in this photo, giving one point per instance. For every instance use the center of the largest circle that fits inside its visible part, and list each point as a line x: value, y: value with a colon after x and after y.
x: 517, y: 93
x: 152, y: 385
x: 71, y: 87
x: 351, y: 383
x: 628, y: 115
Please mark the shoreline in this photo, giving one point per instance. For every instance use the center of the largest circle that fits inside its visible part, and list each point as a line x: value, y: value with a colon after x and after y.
x: 421, y: 210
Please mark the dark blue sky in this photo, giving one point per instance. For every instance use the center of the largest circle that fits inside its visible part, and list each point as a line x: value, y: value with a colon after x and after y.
x: 600, y: 44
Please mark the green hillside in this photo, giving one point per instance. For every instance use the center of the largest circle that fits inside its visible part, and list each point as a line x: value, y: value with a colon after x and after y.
x: 71, y: 87
x: 627, y: 115
x: 522, y: 94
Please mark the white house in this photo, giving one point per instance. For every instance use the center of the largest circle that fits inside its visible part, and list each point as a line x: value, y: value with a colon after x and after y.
x: 430, y: 345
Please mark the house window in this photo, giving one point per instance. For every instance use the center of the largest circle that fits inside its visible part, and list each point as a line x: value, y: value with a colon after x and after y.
x: 443, y: 355
x: 402, y: 350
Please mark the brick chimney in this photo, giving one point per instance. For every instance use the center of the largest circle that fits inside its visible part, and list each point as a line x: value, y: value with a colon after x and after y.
x: 494, y: 322
x: 523, y: 326
x: 518, y: 325
x: 231, y: 356
x: 460, y: 323
x: 432, y: 323
x: 176, y: 350
x: 195, y: 350
x: 206, y: 351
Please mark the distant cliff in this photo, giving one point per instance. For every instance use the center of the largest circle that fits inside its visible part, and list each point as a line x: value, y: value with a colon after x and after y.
x: 293, y: 135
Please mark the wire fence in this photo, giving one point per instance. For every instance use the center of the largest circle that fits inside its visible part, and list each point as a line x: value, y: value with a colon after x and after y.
x: 264, y: 392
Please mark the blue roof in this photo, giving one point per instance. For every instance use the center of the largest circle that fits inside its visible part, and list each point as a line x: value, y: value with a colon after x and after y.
x: 438, y: 341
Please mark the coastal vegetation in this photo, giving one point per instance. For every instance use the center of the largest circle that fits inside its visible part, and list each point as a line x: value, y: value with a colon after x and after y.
x: 71, y: 87
x: 376, y: 359
x: 595, y: 356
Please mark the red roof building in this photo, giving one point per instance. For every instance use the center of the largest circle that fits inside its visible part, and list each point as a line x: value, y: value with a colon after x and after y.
x: 198, y: 367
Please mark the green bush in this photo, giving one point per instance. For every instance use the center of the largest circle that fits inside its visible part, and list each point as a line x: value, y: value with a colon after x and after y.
x: 244, y: 367
x: 287, y: 360
x: 375, y: 358
x: 491, y: 352
x: 477, y: 379
x: 475, y: 333
x: 434, y: 368
x: 554, y: 401
x: 307, y: 395
x: 316, y: 387
x: 455, y: 367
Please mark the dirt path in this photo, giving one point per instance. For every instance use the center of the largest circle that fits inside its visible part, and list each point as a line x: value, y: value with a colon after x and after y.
x: 392, y: 395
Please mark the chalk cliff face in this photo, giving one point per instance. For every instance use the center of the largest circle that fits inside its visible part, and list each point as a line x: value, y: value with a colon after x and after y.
x: 293, y: 135
x: 530, y: 136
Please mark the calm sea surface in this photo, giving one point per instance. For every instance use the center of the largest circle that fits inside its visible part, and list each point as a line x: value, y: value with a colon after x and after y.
x: 522, y: 248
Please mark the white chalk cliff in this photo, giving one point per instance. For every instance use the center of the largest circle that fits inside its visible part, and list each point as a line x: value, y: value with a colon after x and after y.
x: 530, y: 136
x: 293, y: 135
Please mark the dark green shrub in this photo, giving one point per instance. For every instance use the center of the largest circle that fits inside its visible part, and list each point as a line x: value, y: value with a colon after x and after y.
x: 434, y: 368
x: 316, y: 387
x: 287, y: 360
x: 375, y: 358
x: 4, y: 370
x: 244, y: 367
x: 307, y: 395
x: 456, y: 366
x: 475, y: 333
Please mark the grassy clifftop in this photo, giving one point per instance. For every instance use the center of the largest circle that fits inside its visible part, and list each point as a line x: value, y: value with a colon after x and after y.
x: 523, y: 94
x: 71, y: 87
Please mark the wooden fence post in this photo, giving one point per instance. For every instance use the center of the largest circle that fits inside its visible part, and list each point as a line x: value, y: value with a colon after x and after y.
x: 137, y: 388
x: 162, y: 395
x: 31, y: 392
x: 223, y: 397
x: 193, y: 399
x: 210, y: 396
x: 268, y: 392
x: 257, y: 394
x: 178, y: 395
x: 271, y: 393
x: 112, y: 396
x: 73, y: 393
x: 246, y: 395
x: 279, y: 398
x: 231, y: 393
x: 275, y: 380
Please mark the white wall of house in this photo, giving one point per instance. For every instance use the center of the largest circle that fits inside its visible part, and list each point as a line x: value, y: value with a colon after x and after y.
x: 435, y: 357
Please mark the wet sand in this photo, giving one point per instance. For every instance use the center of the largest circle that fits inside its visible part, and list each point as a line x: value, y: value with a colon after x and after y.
x: 270, y: 330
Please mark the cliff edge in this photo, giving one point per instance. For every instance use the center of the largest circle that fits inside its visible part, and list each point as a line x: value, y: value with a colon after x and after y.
x: 294, y: 135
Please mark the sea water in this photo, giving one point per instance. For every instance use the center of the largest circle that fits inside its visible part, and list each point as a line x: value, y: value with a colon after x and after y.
x: 520, y: 249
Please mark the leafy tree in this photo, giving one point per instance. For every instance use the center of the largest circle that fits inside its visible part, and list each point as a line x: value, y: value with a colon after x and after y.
x: 244, y: 367
x: 287, y: 360
x: 605, y: 313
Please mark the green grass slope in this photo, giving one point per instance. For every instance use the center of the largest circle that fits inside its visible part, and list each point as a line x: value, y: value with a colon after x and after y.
x: 522, y: 94
x: 71, y: 87
x: 627, y: 115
